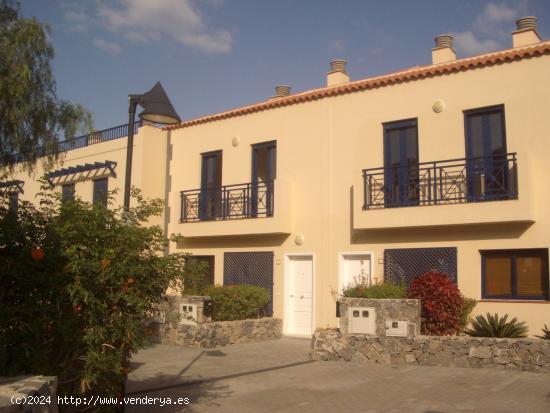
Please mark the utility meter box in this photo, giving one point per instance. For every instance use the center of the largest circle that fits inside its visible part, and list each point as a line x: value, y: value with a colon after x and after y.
x: 396, y: 328
x: 362, y: 320
x: 189, y: 313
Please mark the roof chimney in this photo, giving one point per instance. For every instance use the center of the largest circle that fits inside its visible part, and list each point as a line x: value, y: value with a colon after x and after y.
x: 526, y: 32
x: 337, y: 74
x: 443, y: 51
x: 281, y: 91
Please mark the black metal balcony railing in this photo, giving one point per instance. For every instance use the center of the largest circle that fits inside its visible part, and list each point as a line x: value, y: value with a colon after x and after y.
x: 442, y: 182
x: 110, y: 134
x: 249, y: 200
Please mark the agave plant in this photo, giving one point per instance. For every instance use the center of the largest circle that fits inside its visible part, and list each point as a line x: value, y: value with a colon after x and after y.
x: 496, y: 326
x: 545, y: 333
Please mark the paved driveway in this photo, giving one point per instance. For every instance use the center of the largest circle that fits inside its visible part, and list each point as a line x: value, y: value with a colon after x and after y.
x: 277, y: 376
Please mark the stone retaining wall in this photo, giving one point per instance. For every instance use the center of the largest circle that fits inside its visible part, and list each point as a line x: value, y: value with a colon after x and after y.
x: 221, y: 333
x: 449, y: 351
x: 42, y: 389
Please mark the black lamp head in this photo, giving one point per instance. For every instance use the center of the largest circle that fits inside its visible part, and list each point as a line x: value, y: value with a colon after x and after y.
x: 157, y: 106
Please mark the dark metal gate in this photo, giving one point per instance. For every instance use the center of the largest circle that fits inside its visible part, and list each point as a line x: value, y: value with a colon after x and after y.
x: 251, y: 268
x: 405, y: 264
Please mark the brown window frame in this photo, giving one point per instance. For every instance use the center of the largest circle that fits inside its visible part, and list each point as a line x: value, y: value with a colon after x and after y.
x: 513, y: 254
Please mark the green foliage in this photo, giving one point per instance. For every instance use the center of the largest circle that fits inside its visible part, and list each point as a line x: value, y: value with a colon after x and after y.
x: 441, y: 303
x: 237, y: 302
x: 495, y: 326
x: 79, y: 280
x: 545, y: 333
x: 468, y: 305
x: 195, y: 276
x: 31, y: 115
x: 384, y: 290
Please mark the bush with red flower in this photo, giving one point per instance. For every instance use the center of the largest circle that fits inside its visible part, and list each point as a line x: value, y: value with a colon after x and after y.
x: 441, y: 303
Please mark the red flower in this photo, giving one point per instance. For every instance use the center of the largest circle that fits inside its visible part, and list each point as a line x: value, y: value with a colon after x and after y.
x: 37, y: 254
x: 77, y: 308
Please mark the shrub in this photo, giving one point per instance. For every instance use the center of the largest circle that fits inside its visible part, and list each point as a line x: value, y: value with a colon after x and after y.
x: 81, y: 280
x: 468, y: 305
x: 237, y: 302
x: 545, y: 333
x: 494, y: 326
x: 384, y: 290
x: 441, y: 303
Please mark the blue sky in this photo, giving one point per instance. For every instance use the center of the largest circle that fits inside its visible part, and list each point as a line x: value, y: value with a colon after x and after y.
x: 213, y: 55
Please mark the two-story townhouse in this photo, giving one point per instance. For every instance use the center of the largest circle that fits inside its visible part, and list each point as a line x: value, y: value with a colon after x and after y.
x: 439, y: 167
x: 435, y: 167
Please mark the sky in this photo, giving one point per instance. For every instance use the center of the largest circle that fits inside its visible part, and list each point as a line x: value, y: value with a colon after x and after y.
x: 215, y: 55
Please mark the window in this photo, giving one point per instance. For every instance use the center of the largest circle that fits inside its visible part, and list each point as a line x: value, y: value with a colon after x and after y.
x: 401, y: 175
x: 250, y: 268
x: 405, y: 264
x: 264, y: 157
x: 208, y: 262
x: 487, y: 168
x: 211, y: 182
x: 67, y: 192
x: 101, y: 187
x: 13, y: 202
x: 515, y: 274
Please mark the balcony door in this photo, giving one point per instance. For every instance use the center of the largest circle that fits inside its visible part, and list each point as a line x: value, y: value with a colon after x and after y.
x: 211, y: 182
x: 401, y: 175
x: 264, y: 157
x: 487, y: 165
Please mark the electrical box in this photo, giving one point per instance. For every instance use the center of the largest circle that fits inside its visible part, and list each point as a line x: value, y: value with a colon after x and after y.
x: 189, y: 314
x: 362, y: 320
x: 396, y: 328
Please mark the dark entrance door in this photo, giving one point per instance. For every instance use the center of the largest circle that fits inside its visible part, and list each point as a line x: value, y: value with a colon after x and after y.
x: 487, y: 166
x: 250, y: 268
x: 264, y: 163
x: 401, y: 175
x: 211, y: 182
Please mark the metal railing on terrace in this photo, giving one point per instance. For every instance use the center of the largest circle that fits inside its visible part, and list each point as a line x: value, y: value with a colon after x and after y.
x: 104, y: 135
x: 248, y: 200
x: 450, y: 181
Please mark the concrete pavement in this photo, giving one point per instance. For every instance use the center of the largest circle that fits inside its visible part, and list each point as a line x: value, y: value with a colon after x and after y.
x: 277, y: 376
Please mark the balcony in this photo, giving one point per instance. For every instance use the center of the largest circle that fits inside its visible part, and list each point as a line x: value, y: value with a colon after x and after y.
x: 231, y: 209
x: 463, y: 189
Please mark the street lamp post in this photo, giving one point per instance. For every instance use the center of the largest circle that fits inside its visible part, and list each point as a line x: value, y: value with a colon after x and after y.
x: 157, y: 109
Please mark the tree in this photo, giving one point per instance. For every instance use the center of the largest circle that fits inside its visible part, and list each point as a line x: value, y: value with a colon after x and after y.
x: 32, y: 118
x: 78, y: 282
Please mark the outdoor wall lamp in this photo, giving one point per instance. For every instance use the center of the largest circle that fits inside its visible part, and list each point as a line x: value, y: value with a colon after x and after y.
x: 157, y: 109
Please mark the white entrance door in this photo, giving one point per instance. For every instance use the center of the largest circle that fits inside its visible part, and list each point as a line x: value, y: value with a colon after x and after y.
x: 299, y: 294
x: 355, y: 267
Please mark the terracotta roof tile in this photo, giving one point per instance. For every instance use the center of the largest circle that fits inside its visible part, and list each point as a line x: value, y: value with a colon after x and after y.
x: 407, y: 75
